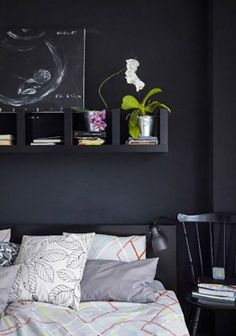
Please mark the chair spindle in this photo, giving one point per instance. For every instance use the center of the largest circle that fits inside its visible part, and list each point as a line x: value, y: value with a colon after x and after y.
x: 224, y: 244
x: 199, y: 247
x: 189, y: 252
x: 211, y: 245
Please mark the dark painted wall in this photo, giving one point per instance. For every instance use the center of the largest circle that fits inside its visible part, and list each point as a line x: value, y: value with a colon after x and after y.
x: 169, y: 40
x: 224, y: 102
x: 224, y: 135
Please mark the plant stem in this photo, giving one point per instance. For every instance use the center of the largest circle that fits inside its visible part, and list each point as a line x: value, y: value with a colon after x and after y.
x: 104, y: 82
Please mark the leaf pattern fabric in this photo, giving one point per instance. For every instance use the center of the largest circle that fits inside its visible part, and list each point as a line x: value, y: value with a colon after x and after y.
x: 51, y: 268
x: 8, y: 253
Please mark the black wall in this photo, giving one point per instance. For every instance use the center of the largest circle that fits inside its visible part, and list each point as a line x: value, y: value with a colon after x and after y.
x: 224, y: 102
x: 170, y: 41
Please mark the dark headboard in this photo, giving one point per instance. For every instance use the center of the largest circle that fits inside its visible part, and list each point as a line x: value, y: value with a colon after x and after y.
x: 166, y: 270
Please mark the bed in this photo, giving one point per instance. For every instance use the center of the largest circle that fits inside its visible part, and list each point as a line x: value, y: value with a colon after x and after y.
x: 162, y: 317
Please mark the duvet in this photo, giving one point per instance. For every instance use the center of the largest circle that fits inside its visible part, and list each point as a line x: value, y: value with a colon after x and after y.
x: 163, y: 318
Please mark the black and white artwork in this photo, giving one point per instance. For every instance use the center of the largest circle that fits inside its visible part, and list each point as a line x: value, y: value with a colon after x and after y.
x: 41, y: 68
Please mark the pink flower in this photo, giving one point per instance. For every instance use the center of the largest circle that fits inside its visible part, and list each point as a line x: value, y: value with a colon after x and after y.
x: 97, y: 120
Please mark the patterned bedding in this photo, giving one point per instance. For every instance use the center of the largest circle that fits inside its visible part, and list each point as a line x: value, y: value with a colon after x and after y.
x: 163, y: 318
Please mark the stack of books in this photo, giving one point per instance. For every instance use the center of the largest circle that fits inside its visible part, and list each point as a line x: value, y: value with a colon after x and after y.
x: 6, y: 140
x: 47, y: 141
x: 215, y: 292
x: 89, y: 138
x: 143, y: 140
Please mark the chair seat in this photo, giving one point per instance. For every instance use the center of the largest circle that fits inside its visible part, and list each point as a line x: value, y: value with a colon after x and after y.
x: 209, y: 304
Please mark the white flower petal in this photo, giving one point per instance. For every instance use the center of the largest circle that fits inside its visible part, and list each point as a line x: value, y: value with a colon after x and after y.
x: 132, y: 64
x: 139, y: 85
x: 130, y: 74
x: 135, y: 81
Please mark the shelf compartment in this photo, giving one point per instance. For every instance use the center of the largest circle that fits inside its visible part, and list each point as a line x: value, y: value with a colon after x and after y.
x: 78, y: 124
x: 160, y: 128
x: 43, y: 125
x: 8, y: 125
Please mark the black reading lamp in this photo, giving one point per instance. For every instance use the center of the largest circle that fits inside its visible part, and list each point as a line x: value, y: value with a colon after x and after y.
x: 159, y: 240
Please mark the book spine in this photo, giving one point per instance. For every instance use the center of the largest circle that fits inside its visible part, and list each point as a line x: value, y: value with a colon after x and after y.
x: 215, y: 292
x: 213, y: 298
x: 89, y: 134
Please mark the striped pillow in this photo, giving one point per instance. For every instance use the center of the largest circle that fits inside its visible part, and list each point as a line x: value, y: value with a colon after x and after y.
x: 108, y: 247
x: 5, y: 235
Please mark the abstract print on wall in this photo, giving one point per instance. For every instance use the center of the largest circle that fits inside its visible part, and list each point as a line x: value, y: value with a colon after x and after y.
x: 41, y: 68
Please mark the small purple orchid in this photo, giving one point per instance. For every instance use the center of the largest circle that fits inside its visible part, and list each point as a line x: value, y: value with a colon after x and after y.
x: 97, y: 119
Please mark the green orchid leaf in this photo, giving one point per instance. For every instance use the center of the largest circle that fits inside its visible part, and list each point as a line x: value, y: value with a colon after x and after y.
x: 133, y: 124
x: 155, y: 105
x: 148, y: 109
x: 129, y: 102
x: 150, y: 94
x: 165, y: 107
x: 134, y: 132
x: 133, y: 119
x: 79, y: 109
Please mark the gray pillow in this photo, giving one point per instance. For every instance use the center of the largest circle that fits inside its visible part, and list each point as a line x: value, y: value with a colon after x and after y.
x: 8, y: 253
x: 158, y: 286
x: 7, y: 277
x: 108, y: 280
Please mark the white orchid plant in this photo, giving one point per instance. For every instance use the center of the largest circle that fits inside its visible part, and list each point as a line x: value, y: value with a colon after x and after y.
x: 145, y: 107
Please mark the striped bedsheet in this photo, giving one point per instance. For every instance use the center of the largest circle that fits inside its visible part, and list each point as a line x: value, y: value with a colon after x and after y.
x: 163, y: 318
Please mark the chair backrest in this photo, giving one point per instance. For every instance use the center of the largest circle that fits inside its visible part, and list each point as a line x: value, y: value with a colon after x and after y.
x: 211, y: 242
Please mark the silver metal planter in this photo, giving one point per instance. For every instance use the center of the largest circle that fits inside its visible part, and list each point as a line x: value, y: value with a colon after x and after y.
x: 146, y: 125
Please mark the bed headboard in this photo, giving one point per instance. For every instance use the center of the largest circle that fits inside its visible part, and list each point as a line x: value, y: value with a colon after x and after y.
x: 166, y: 270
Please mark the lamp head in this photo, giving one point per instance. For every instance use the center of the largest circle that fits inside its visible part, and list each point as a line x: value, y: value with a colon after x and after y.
x: 159, y: 240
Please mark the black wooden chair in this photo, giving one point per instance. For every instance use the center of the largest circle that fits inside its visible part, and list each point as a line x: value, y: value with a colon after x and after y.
x: 211, y: 242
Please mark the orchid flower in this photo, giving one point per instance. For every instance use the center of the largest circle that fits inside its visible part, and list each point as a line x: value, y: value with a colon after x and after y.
x: 130, y: 75
x: 98, y: 120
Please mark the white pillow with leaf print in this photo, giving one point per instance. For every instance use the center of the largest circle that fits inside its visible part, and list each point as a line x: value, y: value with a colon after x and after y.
x: 51, y: 268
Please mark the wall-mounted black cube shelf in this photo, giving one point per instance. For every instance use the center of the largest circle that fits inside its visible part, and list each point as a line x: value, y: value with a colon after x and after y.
x: 26, y: 126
